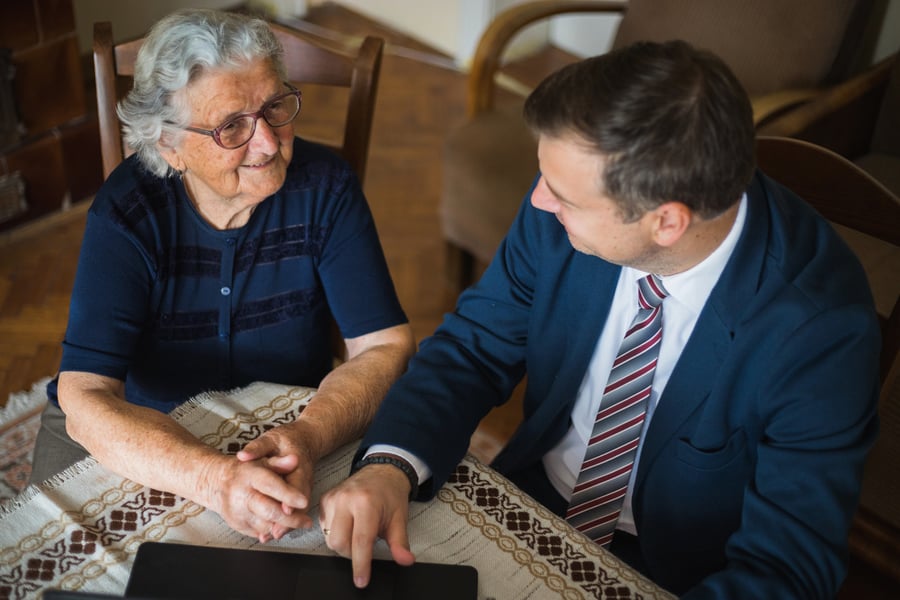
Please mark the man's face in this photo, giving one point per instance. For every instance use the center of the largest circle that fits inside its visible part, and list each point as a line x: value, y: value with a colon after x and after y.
x: 570, y: 188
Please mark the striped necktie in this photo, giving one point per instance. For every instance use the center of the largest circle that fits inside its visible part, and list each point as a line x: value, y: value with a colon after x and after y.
x: 603, y: 481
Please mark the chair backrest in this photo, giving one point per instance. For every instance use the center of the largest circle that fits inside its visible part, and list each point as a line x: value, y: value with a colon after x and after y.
x: 844, y: 194
x: 770, y: 44
x: 886, y: 135
x: 307, y: 62
x: 849, y: 196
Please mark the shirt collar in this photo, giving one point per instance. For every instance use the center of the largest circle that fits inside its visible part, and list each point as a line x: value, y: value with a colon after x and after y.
x: 692, y: 287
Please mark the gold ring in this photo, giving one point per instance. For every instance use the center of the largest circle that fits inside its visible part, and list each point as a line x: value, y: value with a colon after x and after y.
x: 326, y: 531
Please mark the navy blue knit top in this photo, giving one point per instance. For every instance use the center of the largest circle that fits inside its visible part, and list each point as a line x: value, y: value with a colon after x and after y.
x: 174, y: 307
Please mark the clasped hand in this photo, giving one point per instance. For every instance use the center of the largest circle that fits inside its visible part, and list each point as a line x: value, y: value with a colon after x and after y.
x: 265, y: 492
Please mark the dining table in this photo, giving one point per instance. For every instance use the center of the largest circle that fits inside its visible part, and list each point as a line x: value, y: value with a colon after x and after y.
x: 80, y: 530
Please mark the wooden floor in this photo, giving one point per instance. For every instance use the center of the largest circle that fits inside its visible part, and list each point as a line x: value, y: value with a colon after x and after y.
x: 419, y: 100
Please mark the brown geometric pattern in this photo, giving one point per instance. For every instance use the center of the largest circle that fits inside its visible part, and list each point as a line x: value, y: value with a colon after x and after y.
x: 81, y: 532
x: 66, y: 552
x: 570, y: 565
x: 81, y: 545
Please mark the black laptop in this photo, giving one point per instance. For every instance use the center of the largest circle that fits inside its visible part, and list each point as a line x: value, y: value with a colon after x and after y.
x: 167, y: 571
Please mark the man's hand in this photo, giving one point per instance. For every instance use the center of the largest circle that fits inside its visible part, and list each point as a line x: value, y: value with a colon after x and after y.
x: 372, y: 503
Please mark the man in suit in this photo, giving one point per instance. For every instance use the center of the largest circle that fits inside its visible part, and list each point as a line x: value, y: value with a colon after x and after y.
x: 743, y: 467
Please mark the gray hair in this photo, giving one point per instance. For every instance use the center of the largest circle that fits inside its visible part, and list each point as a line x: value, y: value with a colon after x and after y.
x: 178, y: 50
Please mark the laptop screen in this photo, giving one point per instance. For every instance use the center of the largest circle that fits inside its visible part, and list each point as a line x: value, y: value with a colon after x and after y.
x: 170, y: 571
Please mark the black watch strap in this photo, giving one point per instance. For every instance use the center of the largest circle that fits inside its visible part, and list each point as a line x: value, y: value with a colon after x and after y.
x: 391, y: 459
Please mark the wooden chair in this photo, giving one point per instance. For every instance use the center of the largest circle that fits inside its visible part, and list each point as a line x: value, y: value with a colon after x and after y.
x: 307, y: 62
x: 867, y: 214
x: 490, y: 159
x: 858, y: 118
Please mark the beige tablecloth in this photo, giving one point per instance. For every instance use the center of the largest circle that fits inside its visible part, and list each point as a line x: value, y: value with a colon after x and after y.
x: 81, y: 530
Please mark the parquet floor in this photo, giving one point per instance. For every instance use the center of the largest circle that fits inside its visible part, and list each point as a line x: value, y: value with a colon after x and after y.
x: 419, y: 100
x: 37, y: 269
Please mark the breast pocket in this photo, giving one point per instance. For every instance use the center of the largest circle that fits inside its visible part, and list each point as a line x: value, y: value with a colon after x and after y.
x: 714, y: 458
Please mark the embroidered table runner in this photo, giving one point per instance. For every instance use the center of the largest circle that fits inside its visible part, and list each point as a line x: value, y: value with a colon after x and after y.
x: 81, y: 530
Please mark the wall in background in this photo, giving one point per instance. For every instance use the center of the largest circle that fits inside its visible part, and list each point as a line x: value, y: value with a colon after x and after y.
x: 130, y: 18
x: 584, y: 35
x: 451, y: 26
x: 437, y: 23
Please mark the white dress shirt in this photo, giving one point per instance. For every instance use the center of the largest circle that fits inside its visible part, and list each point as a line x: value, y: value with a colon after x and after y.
x: 688, y: 292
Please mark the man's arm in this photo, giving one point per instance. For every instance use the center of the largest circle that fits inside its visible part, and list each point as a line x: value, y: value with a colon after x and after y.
x: 819, y: 401
x: 471, y: 363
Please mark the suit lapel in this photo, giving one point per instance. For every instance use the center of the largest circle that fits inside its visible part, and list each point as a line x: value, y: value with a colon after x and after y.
x: 587, y: 293
x: 689, y: 385
x: 709, y: 344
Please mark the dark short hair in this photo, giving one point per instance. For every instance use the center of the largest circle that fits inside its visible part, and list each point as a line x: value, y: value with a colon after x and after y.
x: 672, y: 122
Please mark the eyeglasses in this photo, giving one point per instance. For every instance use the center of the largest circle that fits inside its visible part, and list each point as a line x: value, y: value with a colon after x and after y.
x: 238, y: 130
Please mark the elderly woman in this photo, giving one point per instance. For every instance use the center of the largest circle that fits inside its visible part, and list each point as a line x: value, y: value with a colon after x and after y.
x: 214, y: 257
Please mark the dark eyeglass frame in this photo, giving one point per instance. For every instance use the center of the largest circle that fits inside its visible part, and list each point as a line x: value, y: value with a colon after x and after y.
x: 260, y: 114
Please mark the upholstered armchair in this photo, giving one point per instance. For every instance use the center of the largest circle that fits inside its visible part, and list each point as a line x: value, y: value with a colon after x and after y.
x: 781, y: 51
x: 859, y: 119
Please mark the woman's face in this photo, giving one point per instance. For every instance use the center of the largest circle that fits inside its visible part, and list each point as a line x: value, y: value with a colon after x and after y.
x: 245, y: 176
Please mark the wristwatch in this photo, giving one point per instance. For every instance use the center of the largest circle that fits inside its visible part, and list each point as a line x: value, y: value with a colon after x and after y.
x: 391, y: 459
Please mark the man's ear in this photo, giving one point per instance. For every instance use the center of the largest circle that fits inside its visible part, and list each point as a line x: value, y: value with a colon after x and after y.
x: 671, y: 221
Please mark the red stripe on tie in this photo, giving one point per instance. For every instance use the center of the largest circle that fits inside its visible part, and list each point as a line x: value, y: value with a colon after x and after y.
x: 638, y: 350
x: 623, y: 404
x: 623, y: 470
x: 611, y: 454
x: 642, y: 324
x: 660, y: 293
x: 631, y: 377
x: 613, y: 516
x: 605, y: 435
x: 594, y: 502
x: 642, y: 301
x: 604, y: 540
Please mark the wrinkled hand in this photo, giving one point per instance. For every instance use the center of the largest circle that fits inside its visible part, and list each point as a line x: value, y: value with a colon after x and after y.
x: 372, y: 503
x: 254, y: 498
x: 286, y: 454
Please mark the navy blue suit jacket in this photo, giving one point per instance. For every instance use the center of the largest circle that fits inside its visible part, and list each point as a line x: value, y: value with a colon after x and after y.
x: 751, y: 467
